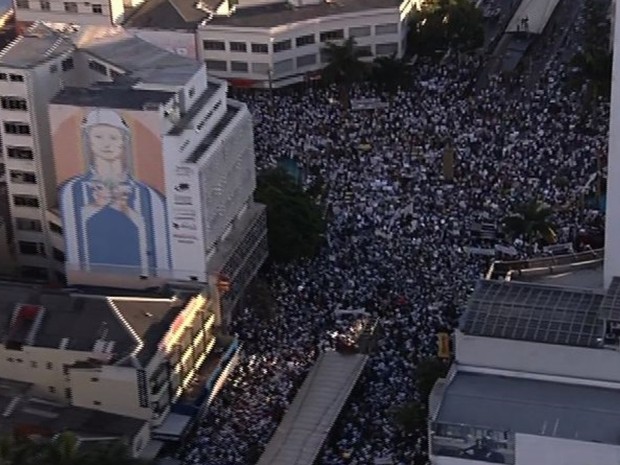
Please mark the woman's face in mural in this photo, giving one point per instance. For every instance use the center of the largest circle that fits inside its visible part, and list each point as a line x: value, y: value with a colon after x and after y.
x: 106, y: 142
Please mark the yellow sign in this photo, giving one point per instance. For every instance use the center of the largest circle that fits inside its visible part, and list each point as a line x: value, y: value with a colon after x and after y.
x: 443, y: 345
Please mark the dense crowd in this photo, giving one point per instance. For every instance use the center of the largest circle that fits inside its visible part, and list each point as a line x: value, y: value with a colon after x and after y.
x: 397, y: 237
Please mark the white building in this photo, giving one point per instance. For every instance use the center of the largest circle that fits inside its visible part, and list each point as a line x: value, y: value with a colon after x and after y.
x: 99, y: 12
x: 533, y: 379
x: 259, y: 42
x: 83, y: 350
x: 186, y: 156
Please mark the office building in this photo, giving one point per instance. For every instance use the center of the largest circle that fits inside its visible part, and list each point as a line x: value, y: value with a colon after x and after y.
x: 260, y: 43
x: 100, y: 12
x: 532, y: 379
x: 126, y: 165
x: 71, y: 355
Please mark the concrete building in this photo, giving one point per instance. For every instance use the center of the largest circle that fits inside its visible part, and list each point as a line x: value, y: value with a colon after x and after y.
x: 532, y: 379
x: 102, y: 13
x: 277, y: 42
x: 127, y: 166
x: 78, y: 351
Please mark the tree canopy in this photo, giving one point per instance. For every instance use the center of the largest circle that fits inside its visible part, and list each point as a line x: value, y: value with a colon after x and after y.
x: 443, y: 24
x: 388, y: 72
x: 294, y: 220
x: 63, y: 449
x: 531, y: 220
x: 344, y: 66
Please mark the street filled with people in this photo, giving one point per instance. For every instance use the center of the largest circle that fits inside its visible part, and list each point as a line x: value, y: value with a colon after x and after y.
x: 398, y: 235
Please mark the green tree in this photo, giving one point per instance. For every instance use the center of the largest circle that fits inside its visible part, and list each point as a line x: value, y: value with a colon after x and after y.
x: 389, y: 72
x: 411, y: 417
x: 344, y: 66
x: 531, y: 220
x: 294, y: 221
x: 443, y: 24
x: 427, y: 373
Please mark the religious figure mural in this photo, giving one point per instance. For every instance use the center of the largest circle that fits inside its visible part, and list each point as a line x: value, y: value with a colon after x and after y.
x: 111, y: 219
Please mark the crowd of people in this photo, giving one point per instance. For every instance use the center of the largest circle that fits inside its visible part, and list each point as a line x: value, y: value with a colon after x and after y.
x: 397, y: 237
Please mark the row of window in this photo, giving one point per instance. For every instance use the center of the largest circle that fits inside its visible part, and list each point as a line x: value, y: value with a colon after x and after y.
x: 13, y: 103
x: 284, y: 66
x: 29, y: 224
x: 11, y: 77
x: 38, y: 248
x: 70, y: 7
x: 301, y: 41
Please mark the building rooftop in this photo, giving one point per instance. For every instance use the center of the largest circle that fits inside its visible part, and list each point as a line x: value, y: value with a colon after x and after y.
x: 277, y: 14
x: 38, y: 45
x: 170, y: 14
x: 231, y: 111
x: 22, y: 411
x: 184, y: 122
x: 533, y: 407
x: 140, y: 59
x: 534, y: 312
x: 77, y: 321
x: 110, y: 96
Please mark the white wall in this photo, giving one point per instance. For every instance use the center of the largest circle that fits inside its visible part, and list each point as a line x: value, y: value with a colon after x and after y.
x: 84, y: 15
x: 574, y: 362
x: 531, y: 450
x: 612, y: 226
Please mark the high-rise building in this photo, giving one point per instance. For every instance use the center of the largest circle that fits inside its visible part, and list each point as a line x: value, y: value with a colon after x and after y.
x: 126, y: 165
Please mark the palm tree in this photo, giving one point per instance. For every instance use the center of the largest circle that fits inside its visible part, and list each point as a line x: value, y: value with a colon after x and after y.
x: 531, y: 220
x: 389, y: 72
x: 343, y: 66
x: 63, y: 449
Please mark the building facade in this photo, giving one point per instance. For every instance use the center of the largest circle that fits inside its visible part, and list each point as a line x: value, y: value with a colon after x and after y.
x: 531, y: 380
x: 263, y: 43
x: 127, y: 166
x: 83, y: 350
x: 101, y: 13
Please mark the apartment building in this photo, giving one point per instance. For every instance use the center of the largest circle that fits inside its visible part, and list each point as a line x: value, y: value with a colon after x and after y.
x: 100, y: 12
x: 81, y: 351
x: 533, y: 378
x: 178, y: 203
x: 273, y: 42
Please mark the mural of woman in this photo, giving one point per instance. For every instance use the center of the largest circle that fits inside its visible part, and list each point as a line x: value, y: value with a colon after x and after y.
x: 110, y: 219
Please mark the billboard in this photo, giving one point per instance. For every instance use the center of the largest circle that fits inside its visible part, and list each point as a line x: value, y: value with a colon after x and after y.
x: 111, y: 189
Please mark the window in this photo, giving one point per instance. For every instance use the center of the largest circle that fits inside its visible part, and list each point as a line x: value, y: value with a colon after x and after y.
x: 17, y: 128
x: 14, y: 103
x: 45, y: 6
x: 306, y: 60
x: 10, y: 359
x: 284, y: 66
x: 382, y: 29
x: 33, y: 272
x: 68, y: 393
x: 361, y: 31
x: 332, y: 35
x: 52, y: 390
x: 94, y: 380
x: 55, y: 228
x: 71, y: 7
x: 67, y: 64
x: 364, y: 50
x: 305, y: 40
x: 96, y: 402
x: 2, y: 76
x: 33, y: 364
x: 58, y: 255
x: 260, y: 48
x: 19, y: 153
x: 22, y: 4
x: 97, y: 9
x: 387, y: 49
x: 239, y: 66
x: 49, y: 365
x: 98, y: 67
x: 216, y: 65
x: 115, y: 74
x: 25, y: 201
x: 238, y: 47
x: 31, y: 248
x: 192, y: 92
x: 260, y: 68
x: 53, y: 68
x: 217, y: 45
x: 16, y: 78
x: 26, y: 224
x: 281, y: 46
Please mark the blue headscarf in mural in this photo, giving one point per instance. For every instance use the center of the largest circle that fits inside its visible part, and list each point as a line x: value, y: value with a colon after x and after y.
x: 112, y: 222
